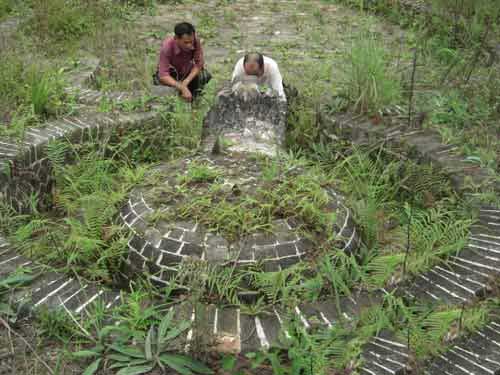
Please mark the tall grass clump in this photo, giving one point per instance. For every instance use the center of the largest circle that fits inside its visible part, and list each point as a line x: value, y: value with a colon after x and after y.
x: 44, y: 93
x: 29, y: 93
x: 6, y: 7
x: 370, y: 83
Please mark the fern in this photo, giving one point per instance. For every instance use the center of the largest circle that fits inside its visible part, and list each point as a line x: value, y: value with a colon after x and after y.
x: 427, y: 334
x: 26, y: 235
x: 424, y: 178
x: 280, y: 286
x: 223, y: 283
x: 380, y: 269
x: 435, y: 233
x: 57, y: 152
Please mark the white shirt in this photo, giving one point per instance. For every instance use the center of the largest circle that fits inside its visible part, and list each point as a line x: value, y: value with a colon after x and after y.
x: 271, y: 77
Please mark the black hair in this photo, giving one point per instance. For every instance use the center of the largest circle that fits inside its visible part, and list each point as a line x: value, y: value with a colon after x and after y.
x: 254, y: 56
x: 183, y: 28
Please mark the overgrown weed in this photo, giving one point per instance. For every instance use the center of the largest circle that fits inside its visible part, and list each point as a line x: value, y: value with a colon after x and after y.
x: 371, y: 83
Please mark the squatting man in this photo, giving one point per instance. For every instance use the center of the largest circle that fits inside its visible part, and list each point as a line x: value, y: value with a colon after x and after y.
x: 181, y: 65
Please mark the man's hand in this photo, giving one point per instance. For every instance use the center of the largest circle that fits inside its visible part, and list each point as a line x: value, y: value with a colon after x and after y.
x: 185, y: 92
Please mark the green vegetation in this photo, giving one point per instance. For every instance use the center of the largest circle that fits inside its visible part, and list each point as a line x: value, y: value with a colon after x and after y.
x: 114, y: 349
x: 8, y: 285
x: 6, y: 7
x: 457, y: 81
x: 371, y: 84
x: 398, y: 206
x: 438, y: 226
x: 286, y: 192
x: 81, y: 235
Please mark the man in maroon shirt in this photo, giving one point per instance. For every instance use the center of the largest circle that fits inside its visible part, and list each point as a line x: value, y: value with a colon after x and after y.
x: 181, y: 62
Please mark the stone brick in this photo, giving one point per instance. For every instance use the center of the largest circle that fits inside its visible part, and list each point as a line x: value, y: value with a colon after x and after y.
x: 149, y: 251
x: 170, y: 259
x: 215, y: 254
x: 192, y: 250
x: 170, y: 245
x: 136, y: 259
x: 265, y: 252
x: 286, y: 249
x: 154, y: 269
x: 271, y: 266
x: 168, y: 274
x: 293, y: 223
x: 213, y: 240
x: 187, y: 225
x: 141, y: 226
x: 137, y: 243
x: 140, y: 209
x: 176, y: 233
x: 193, y: 237
x: 305, y: 245
x: 153, y: 236
x: 262, y: 239
x: 280, y: 226
x: 286, y: 236
x: 126, y: 209
x: 131, y: 218
x: 248, y: 297
x: 289, y: 261
x: 246, y: 254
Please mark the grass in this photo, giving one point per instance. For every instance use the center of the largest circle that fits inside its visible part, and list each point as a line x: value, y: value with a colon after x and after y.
x: 457, y: 78
x: 35, y: 96
x: 6, y: 8
x: 372, y: 84
x: 380, y: 196
x: 388, y: 197
x: 201, y: 196
x: 81, y: 235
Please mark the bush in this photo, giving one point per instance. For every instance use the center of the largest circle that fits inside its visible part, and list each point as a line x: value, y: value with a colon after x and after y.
x: 370, y: 83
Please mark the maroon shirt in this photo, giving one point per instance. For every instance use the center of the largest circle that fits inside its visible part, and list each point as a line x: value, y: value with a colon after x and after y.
x: 174, y: 58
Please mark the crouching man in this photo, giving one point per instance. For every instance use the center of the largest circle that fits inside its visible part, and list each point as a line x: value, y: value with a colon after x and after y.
x: 262, y: 70
x: 181, y: 62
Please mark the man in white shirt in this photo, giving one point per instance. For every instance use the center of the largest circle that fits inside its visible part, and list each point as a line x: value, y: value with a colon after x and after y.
x: 263, y: 69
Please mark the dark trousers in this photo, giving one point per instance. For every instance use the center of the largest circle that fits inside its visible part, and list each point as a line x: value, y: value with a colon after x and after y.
x: 195, y: 86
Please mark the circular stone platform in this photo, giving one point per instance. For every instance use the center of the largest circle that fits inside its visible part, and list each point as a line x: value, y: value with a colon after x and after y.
x: 195, y: 209
x: 238, y: 203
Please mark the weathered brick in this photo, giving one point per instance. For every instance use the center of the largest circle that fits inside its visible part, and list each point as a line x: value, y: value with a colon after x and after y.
x: 266, y: 252
x: 175, y: 233
x: 289, y: 261
x: 137, y: 243
x: 170, y: 245
x: 286, y: 249
x: 149, y: 251
x: 192, y: 250
x: 169, y: 259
